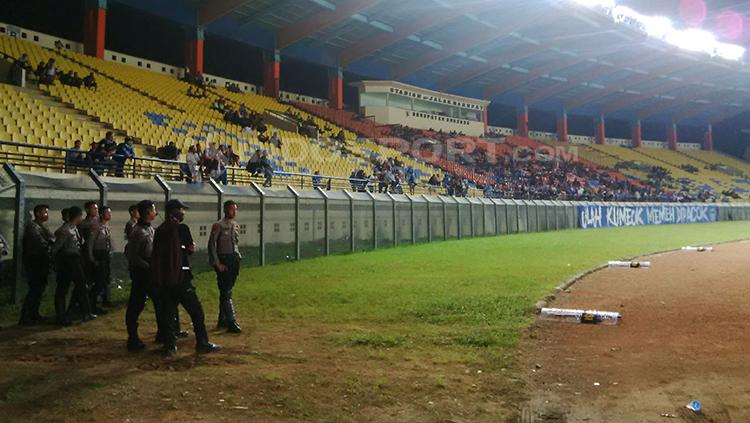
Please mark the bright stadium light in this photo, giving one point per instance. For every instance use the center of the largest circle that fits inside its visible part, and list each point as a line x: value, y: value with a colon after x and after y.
x: 730, y: 51
x: 607, y: 4
x: 660, y: 27
x: 692, y: 40
x: 657, y: 26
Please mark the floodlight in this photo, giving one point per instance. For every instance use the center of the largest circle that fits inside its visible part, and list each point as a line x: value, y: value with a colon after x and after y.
x: 729, y: 51
x: 657, y: 26
x: 607, y: 4
x: 692, y: 40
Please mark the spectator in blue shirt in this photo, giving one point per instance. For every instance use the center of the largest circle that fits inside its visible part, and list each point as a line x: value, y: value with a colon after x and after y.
x: 123, y: 152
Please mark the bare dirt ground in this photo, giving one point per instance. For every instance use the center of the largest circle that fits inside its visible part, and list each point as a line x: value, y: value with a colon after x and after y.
x: 684, y: 335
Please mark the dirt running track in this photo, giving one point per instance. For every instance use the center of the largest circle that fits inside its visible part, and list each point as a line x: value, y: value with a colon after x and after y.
x: 684, y: 335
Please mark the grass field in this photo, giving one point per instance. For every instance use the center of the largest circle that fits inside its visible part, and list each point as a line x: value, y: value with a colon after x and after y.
x: 417, y: 332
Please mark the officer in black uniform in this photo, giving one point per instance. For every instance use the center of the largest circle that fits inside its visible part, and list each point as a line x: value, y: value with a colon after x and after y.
x: 173, y: 246
x: 224, y: 256
x: 68, y: 262
x: 37, y: 249
x: 99, y: 253
x: 140, y: 244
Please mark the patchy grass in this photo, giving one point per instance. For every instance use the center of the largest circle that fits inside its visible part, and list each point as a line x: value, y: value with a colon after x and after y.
x: 397, y: 334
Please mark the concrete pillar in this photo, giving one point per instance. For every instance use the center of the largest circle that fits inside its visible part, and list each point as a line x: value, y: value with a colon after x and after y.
x: 672, y: 136
x: 636, y: 134
x: 272, y: 74
x: 336, y: 88
x: 600, y: 131
x: 562, y: 127
x: 522, y: 122
x: 708, y: 138
x: 194, y: 51
x: 94, y: 27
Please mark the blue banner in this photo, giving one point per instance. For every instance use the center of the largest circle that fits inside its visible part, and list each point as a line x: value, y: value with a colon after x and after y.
x: 591, y: 216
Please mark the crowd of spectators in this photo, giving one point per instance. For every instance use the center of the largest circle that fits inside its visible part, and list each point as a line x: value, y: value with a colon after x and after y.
x: 46, y: 73
x: 105, y: 157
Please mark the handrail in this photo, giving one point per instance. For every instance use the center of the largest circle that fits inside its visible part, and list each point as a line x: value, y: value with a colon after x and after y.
x: 173, y: 169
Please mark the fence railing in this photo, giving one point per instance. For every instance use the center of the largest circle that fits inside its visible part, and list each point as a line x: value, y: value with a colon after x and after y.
x: 63, y: 160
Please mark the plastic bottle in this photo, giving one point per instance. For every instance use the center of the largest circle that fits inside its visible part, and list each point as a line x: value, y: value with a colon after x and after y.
x: 633, y: 264
x: 580, y: 316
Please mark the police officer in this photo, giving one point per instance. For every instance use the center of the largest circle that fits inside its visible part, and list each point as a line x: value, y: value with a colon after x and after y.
x: 138, y: 252
x: 99, y: 253
x: 133, y: 210
x: 224, y: 256
x: 173, y: 246
x: 68, y: 262
x: 37, y: 248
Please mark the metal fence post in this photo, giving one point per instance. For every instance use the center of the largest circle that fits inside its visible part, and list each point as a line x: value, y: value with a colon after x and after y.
x: 429, y: 219
x: 472, y: 227
x: 103, y: 188
x: 220, y: 196
x: 326, y: 212
x: 351, y: 219
x: 374, y: 220
x: 445, y: 219
x: 19, y: 222
x: 297, y: 247
x: 411, y: 211
x: 393, y: 211
x: 458, y: 218
x: 262, y: 235
x: 165, y: 186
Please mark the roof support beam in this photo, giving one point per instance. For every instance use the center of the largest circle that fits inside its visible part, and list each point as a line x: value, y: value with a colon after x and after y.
x: 461, y: 44
x: 665, y: 105
x: 479, y: 69
x: 698, y: 109
x: 212, y: 10
x: 589, y: 76
x: 506, y: 85
x: 428, y: 20
x: 624, y: 84
x: 321, y: 20
x: 554, y: 65
x: 662, y: 88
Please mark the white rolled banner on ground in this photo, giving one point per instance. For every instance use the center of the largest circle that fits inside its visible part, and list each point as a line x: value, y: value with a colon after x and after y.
x: 699, y: 249
x: 633, y: 264
x: 580, y: 316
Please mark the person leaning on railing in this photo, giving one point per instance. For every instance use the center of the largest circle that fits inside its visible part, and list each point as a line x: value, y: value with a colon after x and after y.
x: 75, y: 158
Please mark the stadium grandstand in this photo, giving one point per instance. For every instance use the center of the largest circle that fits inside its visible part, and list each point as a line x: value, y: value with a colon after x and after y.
x: 618, y: 67
x: 226, y: 136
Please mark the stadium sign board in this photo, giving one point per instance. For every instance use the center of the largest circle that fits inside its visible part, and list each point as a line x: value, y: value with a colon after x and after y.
x: 604, y: 216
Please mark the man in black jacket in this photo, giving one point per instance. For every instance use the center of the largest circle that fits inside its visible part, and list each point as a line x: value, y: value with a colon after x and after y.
x: 172, y: 276
x: 37, y: 248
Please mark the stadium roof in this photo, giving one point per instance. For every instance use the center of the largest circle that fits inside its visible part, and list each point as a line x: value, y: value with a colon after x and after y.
x: 548, y: 54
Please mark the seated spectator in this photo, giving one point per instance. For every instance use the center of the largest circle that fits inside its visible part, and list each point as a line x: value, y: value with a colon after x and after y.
x: 108, y: 144
x: 267, y: 167
x: 16, y: 70
x: 89, y: 82
x: 49, y: 73
x: 254, y: 164
x: 59, y: 45
x: 232, y: 158
x: 104, y: 153
x: 71, y: 78
x: 75, y: 158
x: 186, y: 76
x: 191, y: 170
x: 219, y: 105
x: 123, y: 152
x: 411, y: 180
x: 317, y: 179
x: 168, y: 152
x: 92, y: 156
x: 275, y: 140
